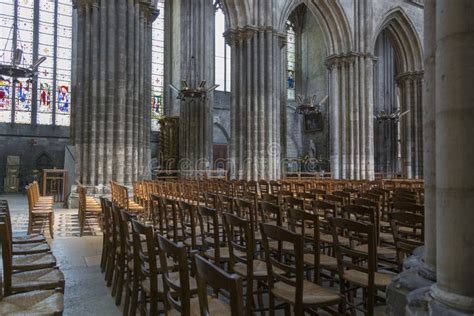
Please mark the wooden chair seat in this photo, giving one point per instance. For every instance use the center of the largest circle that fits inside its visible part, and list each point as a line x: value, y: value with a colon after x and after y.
x: 38, y: 211
x: 381, y: 280
x: 216, y: 307
x: 286, y: 246
x: 313, y: 294
x: 328, y: 239
x: 386, y: 238
x: 33, y: 303
x: 33, y: 262
x: 381, y: 251
x: 43, y: 279
x: 223, y: 254
x: 175, y: 280
x: 259, y: 269
x: 28, y: 249
x: 33, y: 238
x: 325, y: 261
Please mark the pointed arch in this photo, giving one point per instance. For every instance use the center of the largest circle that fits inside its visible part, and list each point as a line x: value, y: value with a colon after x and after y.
x: 330, y: 16
x: 404, y: 38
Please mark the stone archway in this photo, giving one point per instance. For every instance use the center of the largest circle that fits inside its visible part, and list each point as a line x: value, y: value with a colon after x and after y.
x: 402, y: 39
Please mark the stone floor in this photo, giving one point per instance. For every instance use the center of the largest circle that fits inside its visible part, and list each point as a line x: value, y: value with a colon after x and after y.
x: 79, y: 259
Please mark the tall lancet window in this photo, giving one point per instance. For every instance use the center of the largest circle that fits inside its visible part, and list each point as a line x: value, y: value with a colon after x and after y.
x: 222, y: 52
x: 291, y: 60
x: 40, y: 28
x: 158, y: 34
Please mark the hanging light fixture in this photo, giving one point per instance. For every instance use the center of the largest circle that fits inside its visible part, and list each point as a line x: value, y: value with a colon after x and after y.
x: 308, y: 106
x: 192, y: 90
x: 16, y: 68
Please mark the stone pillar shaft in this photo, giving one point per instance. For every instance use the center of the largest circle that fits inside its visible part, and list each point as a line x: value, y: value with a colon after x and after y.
x: 255, y: 112
x: 429, y: 136
x: 112, y: 90
x: 455, y: 154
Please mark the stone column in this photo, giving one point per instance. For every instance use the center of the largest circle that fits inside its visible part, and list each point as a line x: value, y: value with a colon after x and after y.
x: 112, y: 90
x: 191, y: 58
x: 255, y: 109
x: 455, y: 155
x: 429, y: 136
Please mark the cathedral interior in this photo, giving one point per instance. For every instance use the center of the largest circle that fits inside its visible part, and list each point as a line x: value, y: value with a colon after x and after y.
x: 231, y: 157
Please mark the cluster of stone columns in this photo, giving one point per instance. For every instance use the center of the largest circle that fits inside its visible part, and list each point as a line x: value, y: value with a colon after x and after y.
x: 448, y: 117
x: 351, y: 108
x: 255, y: 110
x: 196, y: 115
x: 112, y: 89
x: 454, y: 121
x: 411, y: 124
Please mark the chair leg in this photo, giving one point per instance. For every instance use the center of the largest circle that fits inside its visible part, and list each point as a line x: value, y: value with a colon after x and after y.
x: 121, y: 276
x: 128, y: 293
x: 135, y: 293
x: 30, y: 224
x: 115, y: 279
x: 51, y: 224
x: 110, y: 273
x: 103, y: 259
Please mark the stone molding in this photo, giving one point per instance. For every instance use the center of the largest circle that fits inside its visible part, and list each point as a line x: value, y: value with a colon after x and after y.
x: 233, y: 36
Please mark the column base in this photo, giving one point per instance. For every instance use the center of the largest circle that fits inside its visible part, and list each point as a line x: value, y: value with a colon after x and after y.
x: 96, y: 191
x: 447, y: 303
x: 409, y: 292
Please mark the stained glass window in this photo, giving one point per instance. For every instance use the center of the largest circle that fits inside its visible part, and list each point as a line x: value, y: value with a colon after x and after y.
x: 291, y: 58
x: 157, y: 68
x: 222, y: 53
x: 63, y: 62
x: 6, y: 41
x: 53, y: 21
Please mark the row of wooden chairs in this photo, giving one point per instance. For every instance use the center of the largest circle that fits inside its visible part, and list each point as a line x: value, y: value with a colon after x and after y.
x: 177, y: 218
x: 32, y: 282
x: 40, y: 208
x: 133, y: 262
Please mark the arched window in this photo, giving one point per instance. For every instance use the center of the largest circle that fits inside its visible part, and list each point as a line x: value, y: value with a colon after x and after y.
x: 291, y: 60
x: 222, y: 52
x: 39, y: 28
x: 157, y: 67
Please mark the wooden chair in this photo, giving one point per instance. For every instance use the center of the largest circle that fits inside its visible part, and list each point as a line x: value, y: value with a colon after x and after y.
x: 88, y: 207
x: 25, y: 239
x: 178, y: 287
x: 243, y: 259
x: 151, y: 284
x: 408, y: 234
x: 22, y: 248
x: 358, y: 268
x: 192, y: 231
x: 121, y: 258
x: 307, y: 225
x: 211, y: 236
x: 33, y: 303
x: 291, y: 286
x: 39, y: 211
x: 132, y: 280
x: 207, y: 274
x: 111, y: 242
x: 36, y: 271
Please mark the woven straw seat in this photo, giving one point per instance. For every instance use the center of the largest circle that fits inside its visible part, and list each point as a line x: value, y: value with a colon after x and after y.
x: 33, y: 303
x: 44, y: 279
x: 33, y: 262
x: 312, y: 293
x: 216, y: 307
x: 25, y: 249
x: 33, y: 238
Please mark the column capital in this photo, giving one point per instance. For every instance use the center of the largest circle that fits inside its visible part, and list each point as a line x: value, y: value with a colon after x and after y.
x: 77, y: 4
x: 410, y: 75
x: 243, y: 33
x: 149, y: 9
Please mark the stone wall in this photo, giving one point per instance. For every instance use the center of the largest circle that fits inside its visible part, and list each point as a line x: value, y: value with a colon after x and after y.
x: 30, y: 143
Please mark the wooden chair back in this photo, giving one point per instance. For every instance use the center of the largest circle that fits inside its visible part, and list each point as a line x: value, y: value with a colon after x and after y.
x: 178, y: 296
x: 208, y: 274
